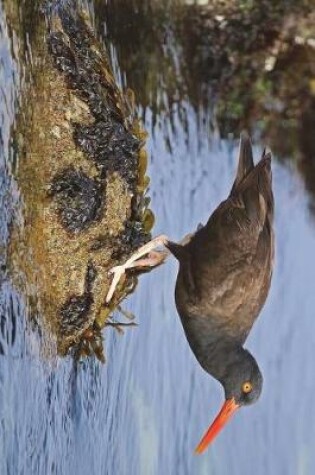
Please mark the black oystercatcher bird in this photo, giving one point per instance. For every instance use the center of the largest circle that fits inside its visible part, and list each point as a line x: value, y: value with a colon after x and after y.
x: 223, y: 280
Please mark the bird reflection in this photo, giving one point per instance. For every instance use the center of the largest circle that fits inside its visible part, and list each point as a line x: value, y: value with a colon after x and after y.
x: 224, y: 276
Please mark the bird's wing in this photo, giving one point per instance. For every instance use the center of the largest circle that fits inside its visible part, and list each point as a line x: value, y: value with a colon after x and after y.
x: 252, y: 185
x: 255, y: 193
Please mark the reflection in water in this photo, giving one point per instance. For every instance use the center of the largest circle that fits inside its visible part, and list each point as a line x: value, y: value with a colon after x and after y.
x: 250, y: 66
x: 9, y: 87
x: 142, y: 413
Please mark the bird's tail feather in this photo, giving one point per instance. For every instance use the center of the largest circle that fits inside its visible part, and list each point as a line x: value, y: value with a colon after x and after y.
x: 245, y: 160
x: 253, y: 182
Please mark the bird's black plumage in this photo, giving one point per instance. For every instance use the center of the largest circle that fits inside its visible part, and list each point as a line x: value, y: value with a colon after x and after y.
x: 224, y: 277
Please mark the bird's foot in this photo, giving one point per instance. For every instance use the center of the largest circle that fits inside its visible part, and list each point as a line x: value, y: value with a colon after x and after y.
x: 153, y: 259
x: 118, y: 272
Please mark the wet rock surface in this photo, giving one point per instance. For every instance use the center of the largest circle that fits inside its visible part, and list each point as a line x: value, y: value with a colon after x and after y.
x: 109, y: 141
x: 82, y: 176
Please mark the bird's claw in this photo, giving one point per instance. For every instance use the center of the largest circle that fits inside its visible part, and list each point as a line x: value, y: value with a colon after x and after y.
x: 118, y: 272
x: 117, y: 269
x: 155, y: 258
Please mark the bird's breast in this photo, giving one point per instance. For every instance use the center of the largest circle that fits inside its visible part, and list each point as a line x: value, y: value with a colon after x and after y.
x: 229, y: 297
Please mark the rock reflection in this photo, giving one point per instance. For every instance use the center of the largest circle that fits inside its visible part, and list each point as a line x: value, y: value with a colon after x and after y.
x: 240, y: 64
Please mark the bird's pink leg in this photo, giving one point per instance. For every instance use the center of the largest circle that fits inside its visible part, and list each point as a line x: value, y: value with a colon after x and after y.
x: 153, y: 259
x: 135, y: 260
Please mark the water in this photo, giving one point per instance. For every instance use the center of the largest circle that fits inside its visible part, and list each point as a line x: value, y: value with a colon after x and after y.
x: 144, y: 411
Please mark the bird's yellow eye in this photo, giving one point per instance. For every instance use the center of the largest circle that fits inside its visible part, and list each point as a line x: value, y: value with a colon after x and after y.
x: 247, y: 387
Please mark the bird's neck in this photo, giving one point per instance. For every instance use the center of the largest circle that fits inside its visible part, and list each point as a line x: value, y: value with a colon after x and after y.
x: 216, y: 352
x: 220, y: 359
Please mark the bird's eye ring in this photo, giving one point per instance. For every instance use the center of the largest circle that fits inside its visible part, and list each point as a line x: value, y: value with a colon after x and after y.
x: 247, y: 387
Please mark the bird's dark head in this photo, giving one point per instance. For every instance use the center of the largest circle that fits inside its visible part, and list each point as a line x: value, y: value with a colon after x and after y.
x: 242, y: 382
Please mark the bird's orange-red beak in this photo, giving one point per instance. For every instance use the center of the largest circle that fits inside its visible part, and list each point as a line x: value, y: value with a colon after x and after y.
x: 227, y: 411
